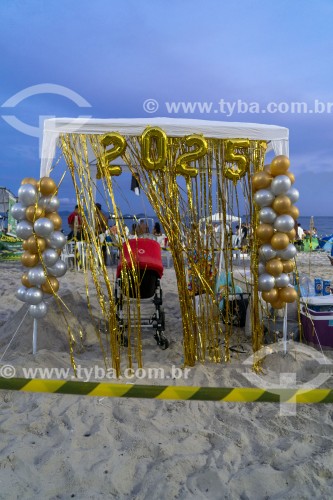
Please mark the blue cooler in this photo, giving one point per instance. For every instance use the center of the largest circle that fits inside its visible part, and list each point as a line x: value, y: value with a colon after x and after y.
x: 317, y: 319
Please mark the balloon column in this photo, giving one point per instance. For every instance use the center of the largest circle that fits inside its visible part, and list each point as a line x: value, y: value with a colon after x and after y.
x: 39, y: 226
x: 275, y: 197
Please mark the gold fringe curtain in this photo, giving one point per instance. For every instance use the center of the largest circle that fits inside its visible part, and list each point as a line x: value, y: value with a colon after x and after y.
x: 184, y: 206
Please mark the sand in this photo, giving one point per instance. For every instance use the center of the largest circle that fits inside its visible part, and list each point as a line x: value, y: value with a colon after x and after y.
x: 61, y: 447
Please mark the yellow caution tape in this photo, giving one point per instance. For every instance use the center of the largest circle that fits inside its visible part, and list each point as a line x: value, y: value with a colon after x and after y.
x: 221, y: 394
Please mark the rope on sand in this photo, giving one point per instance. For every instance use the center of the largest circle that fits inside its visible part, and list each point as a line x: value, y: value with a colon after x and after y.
x: 221, y: 394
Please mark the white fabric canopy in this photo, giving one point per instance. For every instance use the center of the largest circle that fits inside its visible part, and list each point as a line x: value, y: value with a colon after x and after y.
x: 278, y: 137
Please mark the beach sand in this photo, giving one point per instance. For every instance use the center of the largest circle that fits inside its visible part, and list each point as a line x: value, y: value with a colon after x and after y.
x: 62, y: 446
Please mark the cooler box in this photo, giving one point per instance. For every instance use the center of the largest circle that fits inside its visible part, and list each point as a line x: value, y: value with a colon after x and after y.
x: 317, y: 319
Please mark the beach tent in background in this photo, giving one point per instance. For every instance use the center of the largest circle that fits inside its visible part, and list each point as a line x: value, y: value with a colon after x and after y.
x: 327, y: 243
x: 276, y: 137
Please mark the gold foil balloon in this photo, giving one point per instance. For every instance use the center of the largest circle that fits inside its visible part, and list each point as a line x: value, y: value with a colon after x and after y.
x: 30, y: 180
x: 281, y: 204
x: 32, y: 244
x: 154, y: 148
x: 288, y: 266
x: 33, y: 213
x: 279, y: 241
x: 274, y: 267
x: 293, y: 211
x: 25, y: 281
x: 242, y: 161
x: 291, y: 235
x: 288, y: 294
x: 291, y: 176
x: 119, y: 144
x: 264, y: 232
x: 182, y: 162
x: 261, y: 180
x: 271, y: 295
x: 56, y: 219
x: 28, y: 259
x: 279, y: 165
x: 51, y: 285
x: 47, y: 186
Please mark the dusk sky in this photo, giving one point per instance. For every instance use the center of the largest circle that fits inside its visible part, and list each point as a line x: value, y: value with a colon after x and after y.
x: 116, y: 55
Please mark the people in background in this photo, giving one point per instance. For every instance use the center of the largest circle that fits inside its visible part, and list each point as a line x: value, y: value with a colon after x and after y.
x: 78, y: 226
x: 101, y: 225
x: 300, y: 235
x: 143, y: 228
x: 157, y: 229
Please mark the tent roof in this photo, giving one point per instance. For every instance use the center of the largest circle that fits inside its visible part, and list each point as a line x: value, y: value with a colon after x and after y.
x: 278, y: 137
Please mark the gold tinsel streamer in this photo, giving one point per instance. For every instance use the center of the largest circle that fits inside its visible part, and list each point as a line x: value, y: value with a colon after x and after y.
x: 179, y: 203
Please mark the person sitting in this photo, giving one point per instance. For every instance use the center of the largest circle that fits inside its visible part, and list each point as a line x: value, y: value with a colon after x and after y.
x: 75, y: 224
x: 143, y: 228
x: 157, y: 229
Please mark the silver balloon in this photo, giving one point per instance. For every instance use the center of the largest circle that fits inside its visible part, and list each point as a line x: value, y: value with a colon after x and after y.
x: 58, y: 269
x: 267, y: 215
x: 57, y: 240
x: 50, y: 257
x: 34, y: 296
x: 18, y: 211
x: 27, y: 195
x: 49, y: 203
x: 36, y: 275
x: 284, y: 223
x: 288, y: 253
x: 293, y: 194
x: 43, y: 227
x: 24, y: 229
x: 282, y: 280
x: 266, y: 252
x: 266, y: 282
x: 21, y: 293
x: 264, y: 197
x: 280, y: 184
x: 38, y: 311
x: 261, y: 268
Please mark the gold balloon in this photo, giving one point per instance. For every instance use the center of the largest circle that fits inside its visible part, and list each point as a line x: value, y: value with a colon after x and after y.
x: 33, y: 213
x: 288, y: 266
x: 32, y: 246
x: 291, y: 235
x: 293, y: 211
x: 288, y: 294
x: 279, y: 165
x: 154, y: 159
x: 274, y: 267
x: 182, y: 162
x: 25, y: 245
x: 279, y: 241
x: 261, y: 180
x: 278, y: 304
x: 264, y: 232
x: 271, y: 296
x: 47, y: 186
x: 28, y: 259
x: 232, y: 156
x: 291, y: 176
x: 119, y: 144
x: 267, y: 169
x: 56, y: 219
x: 281, y: 204
x: 25, y: 280
x: 29, y: 180
x: 51, y: 285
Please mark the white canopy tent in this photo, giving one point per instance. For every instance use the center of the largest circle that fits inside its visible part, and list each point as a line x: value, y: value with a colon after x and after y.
x: 277, y: 137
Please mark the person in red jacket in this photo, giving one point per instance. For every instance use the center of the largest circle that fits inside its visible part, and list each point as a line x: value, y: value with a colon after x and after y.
x: 71, y: 223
